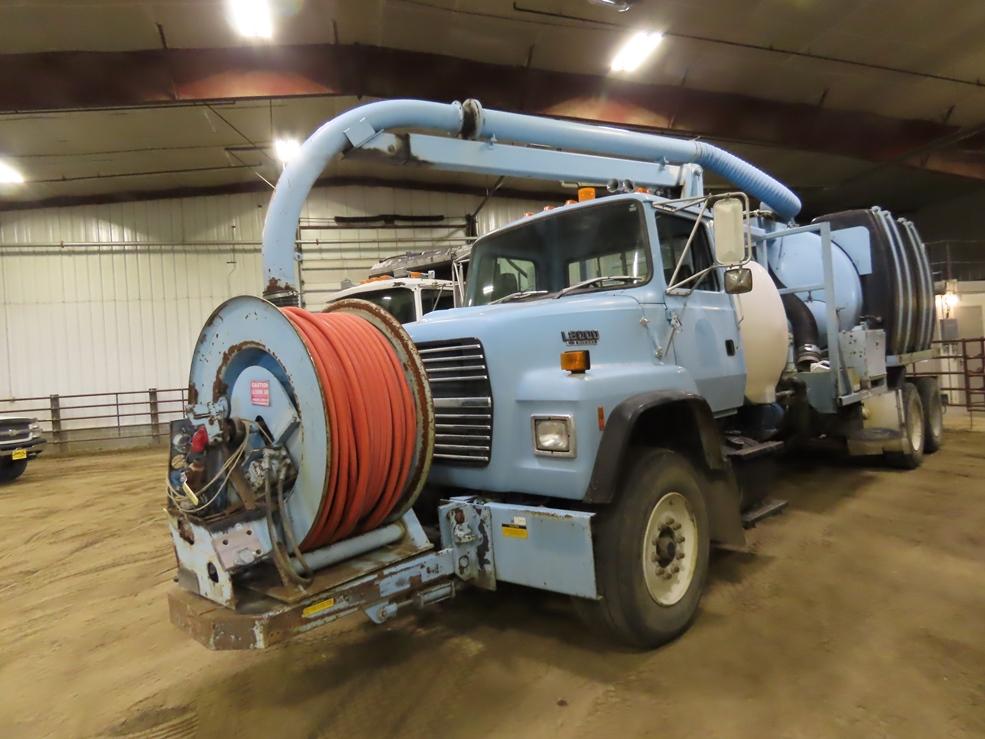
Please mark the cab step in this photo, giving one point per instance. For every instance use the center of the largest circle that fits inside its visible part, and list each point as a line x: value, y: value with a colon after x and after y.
x: 742, y: 448
x: 769, y: 507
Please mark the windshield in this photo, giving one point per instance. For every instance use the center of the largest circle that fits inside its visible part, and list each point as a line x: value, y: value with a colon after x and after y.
x: 397, y: 301
x: 550, y: 254
x: 432, y: 300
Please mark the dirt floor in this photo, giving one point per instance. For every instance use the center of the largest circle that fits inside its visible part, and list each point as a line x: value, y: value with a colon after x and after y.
x: 859, y: 612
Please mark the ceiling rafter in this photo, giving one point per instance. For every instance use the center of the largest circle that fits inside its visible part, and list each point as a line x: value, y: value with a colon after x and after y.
x: 83, y: 80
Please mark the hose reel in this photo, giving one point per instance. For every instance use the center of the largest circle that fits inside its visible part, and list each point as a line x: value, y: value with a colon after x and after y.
x: 341, y: 395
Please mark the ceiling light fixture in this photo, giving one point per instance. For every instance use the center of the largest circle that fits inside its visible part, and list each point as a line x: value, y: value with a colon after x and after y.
x: 286, y: 149
x: 635, y: 51
x: 251, y: 18
x: 9, y: 175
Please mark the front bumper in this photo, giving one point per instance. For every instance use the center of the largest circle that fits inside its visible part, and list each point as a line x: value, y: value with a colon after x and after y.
x: 30, y: 447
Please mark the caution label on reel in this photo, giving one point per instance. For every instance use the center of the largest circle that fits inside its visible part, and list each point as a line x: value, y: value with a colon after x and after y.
x: 260, y: 392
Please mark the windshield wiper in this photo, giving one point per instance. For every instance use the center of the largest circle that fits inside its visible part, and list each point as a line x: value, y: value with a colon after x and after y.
x: 595, y: 280
x: 517, y: 295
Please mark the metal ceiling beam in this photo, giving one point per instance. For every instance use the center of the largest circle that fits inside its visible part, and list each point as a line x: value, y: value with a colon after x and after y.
x: 82, y: 80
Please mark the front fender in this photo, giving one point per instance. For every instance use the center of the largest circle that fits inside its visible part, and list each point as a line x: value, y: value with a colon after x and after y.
x: 692, y: 429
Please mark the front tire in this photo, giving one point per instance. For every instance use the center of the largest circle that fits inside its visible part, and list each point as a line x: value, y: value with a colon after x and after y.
x: 652, y: 547
x: 914, y: 437
x: 10, y: 469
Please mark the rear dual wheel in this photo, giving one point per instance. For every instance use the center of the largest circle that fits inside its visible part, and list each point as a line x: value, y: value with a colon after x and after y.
x: 652, y: 549
x: 933, y: 412
x: 913, y: 431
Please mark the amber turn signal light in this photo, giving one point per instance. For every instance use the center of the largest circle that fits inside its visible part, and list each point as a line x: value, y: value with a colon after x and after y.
x: 576, y: 362
x: 586, y: 193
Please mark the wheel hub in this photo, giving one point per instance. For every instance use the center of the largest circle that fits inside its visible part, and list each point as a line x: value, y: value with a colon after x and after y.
x: 669, y: 549
x: 666, y: 547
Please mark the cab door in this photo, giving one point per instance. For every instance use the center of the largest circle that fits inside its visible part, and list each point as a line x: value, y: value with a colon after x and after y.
x: 704, y: 330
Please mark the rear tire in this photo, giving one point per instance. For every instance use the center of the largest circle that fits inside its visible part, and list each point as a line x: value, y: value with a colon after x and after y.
x: 10, y: 470
x: 933, y: 413
x: 913, y: 431
x: 651, y: 553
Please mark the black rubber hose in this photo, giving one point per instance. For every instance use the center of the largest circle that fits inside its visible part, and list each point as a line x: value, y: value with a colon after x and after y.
x: 805, y: 333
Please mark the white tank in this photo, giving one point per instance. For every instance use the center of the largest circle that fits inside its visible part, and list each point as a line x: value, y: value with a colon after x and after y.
x: 763, y: 332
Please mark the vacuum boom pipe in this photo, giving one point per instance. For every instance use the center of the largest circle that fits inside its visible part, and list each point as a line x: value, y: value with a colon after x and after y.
x: 356, y: 126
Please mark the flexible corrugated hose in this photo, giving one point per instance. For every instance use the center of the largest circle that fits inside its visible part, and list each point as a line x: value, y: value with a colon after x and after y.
x: 371, y: 418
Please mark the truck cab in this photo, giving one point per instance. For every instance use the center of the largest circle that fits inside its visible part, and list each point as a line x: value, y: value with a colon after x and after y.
x: 405, y: 298
x: 608, y: 280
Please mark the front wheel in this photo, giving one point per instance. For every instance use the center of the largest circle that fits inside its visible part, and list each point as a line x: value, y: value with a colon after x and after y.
x: 11, y: 469
x: 652, y: 549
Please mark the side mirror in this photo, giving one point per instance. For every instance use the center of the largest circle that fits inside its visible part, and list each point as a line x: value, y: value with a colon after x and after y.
x: 738, y: 280
x: 730, y: 243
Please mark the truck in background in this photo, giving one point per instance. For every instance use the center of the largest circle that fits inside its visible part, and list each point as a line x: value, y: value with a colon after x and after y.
x: 20, y: 440
x: 405, y: 298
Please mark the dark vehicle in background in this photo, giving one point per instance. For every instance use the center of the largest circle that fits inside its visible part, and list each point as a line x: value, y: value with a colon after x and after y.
x: 20, y: 441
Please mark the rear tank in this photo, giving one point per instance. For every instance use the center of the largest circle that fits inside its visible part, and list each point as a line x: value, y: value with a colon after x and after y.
x: 882, y: 279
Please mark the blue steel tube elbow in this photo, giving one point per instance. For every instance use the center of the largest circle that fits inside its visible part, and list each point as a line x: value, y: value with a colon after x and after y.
x: 354, y: 127
x: 281, y: 278
x: 641, y: 146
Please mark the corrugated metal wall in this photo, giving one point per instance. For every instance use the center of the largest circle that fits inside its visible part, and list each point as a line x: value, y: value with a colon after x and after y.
x: 111, y: 297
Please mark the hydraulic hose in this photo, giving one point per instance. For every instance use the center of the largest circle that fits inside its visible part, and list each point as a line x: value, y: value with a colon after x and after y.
x: 805, y: 334
x: 371, y: 418
x: 804, y: 325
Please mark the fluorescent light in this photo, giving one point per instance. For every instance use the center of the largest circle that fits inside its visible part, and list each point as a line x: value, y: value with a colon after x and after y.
x: 9, y: 175
x: 286, y: 149
x: 251, y: 18
x: 635, y: 51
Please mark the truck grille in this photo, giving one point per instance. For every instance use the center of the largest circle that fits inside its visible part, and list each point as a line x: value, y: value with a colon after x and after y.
x: 12, y: 432
x: 463, y: 408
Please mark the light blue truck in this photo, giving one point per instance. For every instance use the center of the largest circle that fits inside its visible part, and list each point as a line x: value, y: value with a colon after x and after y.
x: 590, y: 422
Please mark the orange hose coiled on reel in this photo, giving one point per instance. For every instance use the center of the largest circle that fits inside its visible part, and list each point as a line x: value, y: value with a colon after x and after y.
x: 371, y: 419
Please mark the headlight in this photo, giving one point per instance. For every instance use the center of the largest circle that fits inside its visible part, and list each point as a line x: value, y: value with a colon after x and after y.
x: 35, y: 428
x: 554, y: 436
